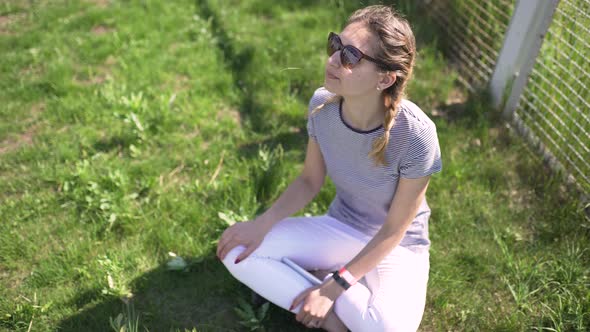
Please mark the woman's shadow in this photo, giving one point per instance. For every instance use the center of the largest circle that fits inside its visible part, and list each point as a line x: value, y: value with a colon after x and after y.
x: 203, y: 297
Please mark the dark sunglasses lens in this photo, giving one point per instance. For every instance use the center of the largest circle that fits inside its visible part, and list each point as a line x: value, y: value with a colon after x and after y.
x: 350, y: 56
x: 333, y: 44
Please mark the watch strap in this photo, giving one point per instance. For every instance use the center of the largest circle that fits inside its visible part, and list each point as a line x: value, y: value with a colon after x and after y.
x: 340, y: 281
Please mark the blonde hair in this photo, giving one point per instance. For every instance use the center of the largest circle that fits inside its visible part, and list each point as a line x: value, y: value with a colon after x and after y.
x: 397, y: 48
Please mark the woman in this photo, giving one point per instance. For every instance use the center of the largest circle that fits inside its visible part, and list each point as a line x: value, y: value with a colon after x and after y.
x: 379, y: 150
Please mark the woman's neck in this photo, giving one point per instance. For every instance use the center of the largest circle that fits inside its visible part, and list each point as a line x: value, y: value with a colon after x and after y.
x: 364, y: 113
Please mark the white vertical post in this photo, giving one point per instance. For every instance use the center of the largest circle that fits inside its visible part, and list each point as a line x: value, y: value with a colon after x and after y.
x: 522, y: 43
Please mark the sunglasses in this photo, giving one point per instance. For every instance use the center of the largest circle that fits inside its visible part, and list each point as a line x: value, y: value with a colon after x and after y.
x: 350, y: 56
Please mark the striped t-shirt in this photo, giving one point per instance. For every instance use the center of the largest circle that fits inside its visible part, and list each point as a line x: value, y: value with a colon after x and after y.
x: 364, y: 191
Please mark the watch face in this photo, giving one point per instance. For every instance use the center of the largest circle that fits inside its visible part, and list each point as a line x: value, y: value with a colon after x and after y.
x: 340, y: 281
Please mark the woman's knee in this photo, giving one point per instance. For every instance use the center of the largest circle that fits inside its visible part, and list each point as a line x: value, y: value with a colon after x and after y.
x: 361, y: 315
x: 398, y: 320
x: 231, y: 256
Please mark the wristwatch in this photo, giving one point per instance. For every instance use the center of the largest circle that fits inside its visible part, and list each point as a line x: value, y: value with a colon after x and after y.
x: 340, y: 281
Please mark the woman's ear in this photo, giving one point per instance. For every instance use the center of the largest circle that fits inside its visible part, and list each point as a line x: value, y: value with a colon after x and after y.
x: 386, y: 80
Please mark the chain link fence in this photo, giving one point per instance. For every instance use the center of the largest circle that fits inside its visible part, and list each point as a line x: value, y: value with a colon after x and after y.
x: 472, y: 34
x: 551, y: 108
x: 555, y: 105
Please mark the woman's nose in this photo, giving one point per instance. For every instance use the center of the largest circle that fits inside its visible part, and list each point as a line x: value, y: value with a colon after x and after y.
x: 334, y: 59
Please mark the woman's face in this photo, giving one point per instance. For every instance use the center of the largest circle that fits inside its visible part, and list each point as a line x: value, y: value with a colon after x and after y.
x: 363, y: 78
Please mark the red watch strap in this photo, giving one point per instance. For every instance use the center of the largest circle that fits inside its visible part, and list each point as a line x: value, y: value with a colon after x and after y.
x: 343, y: 272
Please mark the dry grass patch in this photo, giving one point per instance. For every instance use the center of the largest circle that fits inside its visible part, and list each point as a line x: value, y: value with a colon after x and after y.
x: 231, y: 113
x: 95, y: 75
x: 7, y: 22
x: 93, y: 80
x: 99, y: 3
x: 13, y: 143
x: 101, y: 30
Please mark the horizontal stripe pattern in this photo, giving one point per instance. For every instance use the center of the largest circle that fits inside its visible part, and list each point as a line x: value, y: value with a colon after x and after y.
x: 364, y: 191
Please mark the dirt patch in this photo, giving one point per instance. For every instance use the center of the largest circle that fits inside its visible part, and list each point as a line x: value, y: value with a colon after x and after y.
x: 36, y: 110
x: 94, y: 80
x: 99, y: 3
x: 31, y: 71
x: 110, y: 61
x: 456, y: 96
x: 13, y: 143
x: 12, y: 279
x: 181, y: 83
x: 97, y: 74
x: 454, y: 105
x: 7, y: 21
x: 101, y: 30
x: 173, y: 47
x: 230, y: 113
x: 194, y: 133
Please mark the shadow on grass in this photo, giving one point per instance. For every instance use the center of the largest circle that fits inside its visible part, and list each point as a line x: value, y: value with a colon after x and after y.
x: 204, y: 297
x: 289, y: 141
x: 166, y: 300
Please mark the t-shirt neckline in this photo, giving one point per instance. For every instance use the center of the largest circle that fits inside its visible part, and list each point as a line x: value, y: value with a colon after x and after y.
x: 351, y: 127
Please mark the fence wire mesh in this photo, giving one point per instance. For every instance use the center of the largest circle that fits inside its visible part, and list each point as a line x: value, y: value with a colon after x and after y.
x: 472, y: 35
x: 555, y: 105
x: 554, y: 109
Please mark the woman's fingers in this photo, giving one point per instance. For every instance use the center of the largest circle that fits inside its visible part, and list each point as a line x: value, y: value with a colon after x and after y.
x: 227, y: 247
x: 226, y: 238
x: 248, y: 234
x: 222, y: 241
x: 297, y: 301
x: 249, y: 249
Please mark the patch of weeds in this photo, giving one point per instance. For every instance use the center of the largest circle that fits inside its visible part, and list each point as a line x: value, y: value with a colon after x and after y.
x: 250, y: 318
x: 127, y: 321
x: 230, y: 217
x: 115, y: 284
x: 23, y: 313
x: 267, y: 175
x: 102, y: 198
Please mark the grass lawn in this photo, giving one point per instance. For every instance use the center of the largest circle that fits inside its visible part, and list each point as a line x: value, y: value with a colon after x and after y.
x: 131, y: 129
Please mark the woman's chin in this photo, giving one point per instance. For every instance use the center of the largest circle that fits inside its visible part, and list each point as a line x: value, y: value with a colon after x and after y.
x: 329, y: 85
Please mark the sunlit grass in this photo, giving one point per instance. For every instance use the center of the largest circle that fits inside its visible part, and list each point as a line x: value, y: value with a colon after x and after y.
x: 129, y: 130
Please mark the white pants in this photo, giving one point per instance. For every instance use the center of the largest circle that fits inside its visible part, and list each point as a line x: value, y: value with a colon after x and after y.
x: 391, y: 297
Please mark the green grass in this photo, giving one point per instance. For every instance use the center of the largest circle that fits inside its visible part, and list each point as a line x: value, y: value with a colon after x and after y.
x: 126, y: 128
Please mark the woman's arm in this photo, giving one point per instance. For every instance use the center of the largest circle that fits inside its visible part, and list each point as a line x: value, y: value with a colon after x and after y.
x: 301, y: 191
x: 408, y: 197
x: 297, y: 195
x: 403, y: 209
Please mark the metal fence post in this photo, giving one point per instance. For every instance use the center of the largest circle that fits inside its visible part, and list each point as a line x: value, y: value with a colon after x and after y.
x: 522, y: 43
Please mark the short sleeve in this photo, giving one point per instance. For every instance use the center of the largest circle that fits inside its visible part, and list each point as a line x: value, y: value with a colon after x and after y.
x: 320, y: 96
x: 423, y: 155
x: 311, y: 128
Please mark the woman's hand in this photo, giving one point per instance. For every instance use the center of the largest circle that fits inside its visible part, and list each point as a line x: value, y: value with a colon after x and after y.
x: 318, y: 302
x: 249, y: 234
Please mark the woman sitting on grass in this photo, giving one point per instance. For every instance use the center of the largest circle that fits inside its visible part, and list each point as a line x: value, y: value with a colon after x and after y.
x: 379, y: 150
